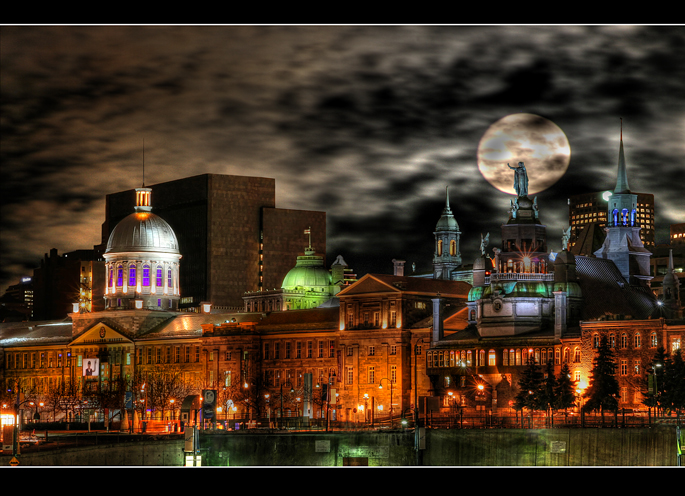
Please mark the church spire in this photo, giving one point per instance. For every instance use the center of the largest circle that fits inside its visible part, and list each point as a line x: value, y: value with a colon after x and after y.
x: 622, y: 176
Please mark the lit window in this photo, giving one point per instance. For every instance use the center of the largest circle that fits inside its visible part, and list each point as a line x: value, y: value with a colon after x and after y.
x: 120, y: 276
x: 132, y: 275
x: 146, y: 276
x: 159, y: 277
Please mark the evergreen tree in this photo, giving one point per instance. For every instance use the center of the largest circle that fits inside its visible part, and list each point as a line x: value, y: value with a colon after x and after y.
x: 655, y: 375
x: 565, y: 396
x: 674, y: 382
x: 530, y: 393
x: 602, y: 394
x: 549, y: 389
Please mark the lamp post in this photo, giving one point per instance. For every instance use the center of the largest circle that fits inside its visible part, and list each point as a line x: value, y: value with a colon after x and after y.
x: 380, y: 386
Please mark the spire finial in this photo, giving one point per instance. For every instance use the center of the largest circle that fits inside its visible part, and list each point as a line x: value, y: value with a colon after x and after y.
x: 309, y: 231
x: 622, y: 175
x: 447, y: 196
x: 621, y: 128
x: 143, y: 162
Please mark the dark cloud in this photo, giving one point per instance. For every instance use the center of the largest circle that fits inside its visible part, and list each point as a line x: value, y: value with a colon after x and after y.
x: 367, y: 123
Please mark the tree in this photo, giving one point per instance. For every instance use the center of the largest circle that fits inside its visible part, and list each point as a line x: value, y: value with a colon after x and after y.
x: 530, y: 393
x: 549, y: 388
x: 602, y: 393
x: 653, y: 382
x: 565, y: 396
x: 673, y: 397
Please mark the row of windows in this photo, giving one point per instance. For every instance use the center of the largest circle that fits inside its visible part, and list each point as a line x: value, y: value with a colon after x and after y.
x: 157, y: 355
x: 272, y: 350
x: 511, y: 357
x: 132, y: 278
x: 624, y: 340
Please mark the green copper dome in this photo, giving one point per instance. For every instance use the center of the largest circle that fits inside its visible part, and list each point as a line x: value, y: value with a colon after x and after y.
x: 309, y: 273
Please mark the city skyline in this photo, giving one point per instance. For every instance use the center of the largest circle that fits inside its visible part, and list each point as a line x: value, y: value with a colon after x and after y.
x: 366, y: 123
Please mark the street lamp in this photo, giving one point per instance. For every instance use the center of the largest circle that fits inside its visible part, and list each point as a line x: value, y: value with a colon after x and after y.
x: 380, y: 386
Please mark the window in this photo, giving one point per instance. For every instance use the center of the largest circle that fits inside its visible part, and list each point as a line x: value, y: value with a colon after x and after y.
x: 277, y: 351
x: 146, y: 276
x: 624, y: 367
x: 393, y: 374
x: 576, y: 355
x: 132, y: 275
x: 612, y: 341
x: 675, y: 344
x: 595, y: 341
x: 320, y: 349
x: 197, y: 354
x: 624, y: 340
x: 372, y: 350
x: 350, y: 375
x: 310, y: 349
x: 350, y: 321
x: 372, y: 375
x: 482, y: 357
x: 576, y: 376
x: 393, y: 349
x: 638, y: 340
x: 266, y: 351
x: 393, y: 318
x: 287, y: 349
x: 447, y: 381
x: 376, y: 319
x: 149, y: 355
x: 653, y: 340
x: 228, y: 355
x: 331, y: 349
x: 636, y: 367
x: 159, y: 277
x: 298, y: 350
x: 187, y: 354
x: 169, y: 279
x: 120, y: 276
x: 350, y: 351
x: 491, y: 357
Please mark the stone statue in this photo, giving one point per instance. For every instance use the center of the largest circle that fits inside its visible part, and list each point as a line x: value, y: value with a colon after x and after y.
x: 565, y: 236
x: 497, y: 252
x: 514, y: 207
x: 484, y: 243
x: 520, y: 179
x: 535, y: 207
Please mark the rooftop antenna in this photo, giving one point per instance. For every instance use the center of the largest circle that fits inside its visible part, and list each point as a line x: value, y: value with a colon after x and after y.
x: 621, y: 128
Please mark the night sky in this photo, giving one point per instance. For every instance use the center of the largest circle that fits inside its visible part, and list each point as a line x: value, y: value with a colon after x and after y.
x: 367, y: 123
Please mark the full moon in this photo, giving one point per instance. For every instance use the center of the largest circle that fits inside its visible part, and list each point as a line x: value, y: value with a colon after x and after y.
x: 537, y: 142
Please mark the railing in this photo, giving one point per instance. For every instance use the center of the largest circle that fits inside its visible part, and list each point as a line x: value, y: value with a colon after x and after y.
x: 520, y: 276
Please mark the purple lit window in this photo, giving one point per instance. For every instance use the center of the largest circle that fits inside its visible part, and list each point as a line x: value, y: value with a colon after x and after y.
x: 120, y: 276
x: 146, y: 275
x: 132, y: 275
x: 159, y: 277
x: 169, y: 281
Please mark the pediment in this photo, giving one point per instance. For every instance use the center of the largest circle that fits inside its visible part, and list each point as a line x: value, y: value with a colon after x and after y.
x: 100, y: 333
x: 368, y: 284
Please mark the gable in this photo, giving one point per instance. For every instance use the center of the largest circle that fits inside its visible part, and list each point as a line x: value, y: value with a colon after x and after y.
x: 368, y: 284
x: 100, y: 333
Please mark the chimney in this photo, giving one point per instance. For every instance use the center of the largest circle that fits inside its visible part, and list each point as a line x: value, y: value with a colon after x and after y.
x: 398, y: 266
x: 438, y: 331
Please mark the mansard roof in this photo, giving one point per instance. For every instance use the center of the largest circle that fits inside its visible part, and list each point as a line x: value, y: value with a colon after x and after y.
x: 606, y: 292
x: 15, y: 334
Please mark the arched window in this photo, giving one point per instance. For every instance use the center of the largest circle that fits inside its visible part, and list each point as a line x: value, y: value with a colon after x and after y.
x: 159, y: 281
x: 491, y: 357
x: 469, y: 358
x: 566, y: 352
x: 624, y: 340
x: 537, y: 355
x: 146, y: 276
x: 169, y: 279
x: 132, y: 275
x: 481, y: 357
x: 518, y: 357
x: 453, y: 248
x: 653, y: 340
x: 120, y: 276
x: 638, y: 340
x: 612, y: 341
x: 505, y: 358
x: 111, y: 277
x: 615, y: 216
x: 512, y: 357
x: 595, y: 341
x: 439, y: 247
x: 576, y: 355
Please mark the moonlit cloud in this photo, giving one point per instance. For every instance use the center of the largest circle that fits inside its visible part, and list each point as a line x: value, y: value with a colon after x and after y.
x: 368, y: 123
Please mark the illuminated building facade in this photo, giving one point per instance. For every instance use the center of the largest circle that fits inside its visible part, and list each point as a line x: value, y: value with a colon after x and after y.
x: 232, y: 236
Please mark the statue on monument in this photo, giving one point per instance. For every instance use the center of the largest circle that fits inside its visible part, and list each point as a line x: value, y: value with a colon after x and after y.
x: 484, y: 243
x: 565, y: 237
x: 520, y: 179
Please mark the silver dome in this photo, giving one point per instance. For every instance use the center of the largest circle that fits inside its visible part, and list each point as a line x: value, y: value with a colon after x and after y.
x: 142, y: 232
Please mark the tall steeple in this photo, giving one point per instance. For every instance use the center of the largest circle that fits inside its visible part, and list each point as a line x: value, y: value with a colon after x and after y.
x: 447, y: 256
x: 622, y: 175
x: 623, y: 244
